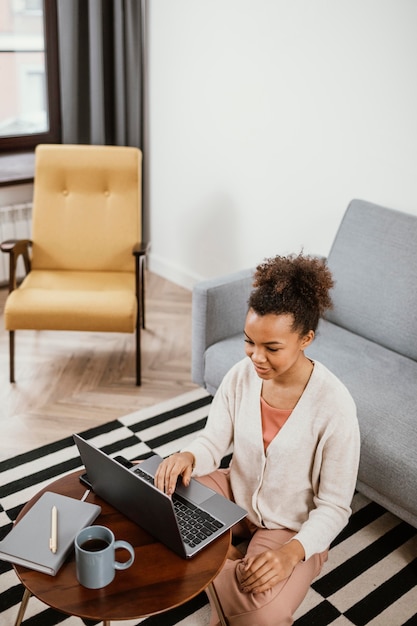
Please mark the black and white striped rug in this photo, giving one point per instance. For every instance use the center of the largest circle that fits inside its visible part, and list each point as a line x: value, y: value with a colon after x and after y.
x: 370, y: 577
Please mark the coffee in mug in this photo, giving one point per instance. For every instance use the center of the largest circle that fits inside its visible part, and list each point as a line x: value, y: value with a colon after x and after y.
x: 95, y: 561
x: 94, y: 545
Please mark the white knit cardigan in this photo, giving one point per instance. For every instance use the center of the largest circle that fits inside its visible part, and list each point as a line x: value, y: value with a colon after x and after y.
x: 306, y: 479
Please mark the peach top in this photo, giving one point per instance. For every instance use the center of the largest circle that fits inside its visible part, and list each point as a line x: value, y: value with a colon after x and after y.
x: 272, y: 421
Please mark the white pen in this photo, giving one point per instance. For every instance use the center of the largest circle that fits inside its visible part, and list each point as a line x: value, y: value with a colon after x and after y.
x: 53, y: 541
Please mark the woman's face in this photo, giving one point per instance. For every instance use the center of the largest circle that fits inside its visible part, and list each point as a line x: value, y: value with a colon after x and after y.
x: 272, y: 345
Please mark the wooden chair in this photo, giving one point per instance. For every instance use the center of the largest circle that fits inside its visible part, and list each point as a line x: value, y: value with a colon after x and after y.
x: 85, y: 262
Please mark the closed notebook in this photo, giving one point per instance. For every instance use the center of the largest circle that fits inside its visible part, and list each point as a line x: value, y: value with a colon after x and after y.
x: 27, y: 543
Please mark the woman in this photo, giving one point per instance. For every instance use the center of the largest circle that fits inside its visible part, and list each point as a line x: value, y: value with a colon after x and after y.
x: 294, y: 432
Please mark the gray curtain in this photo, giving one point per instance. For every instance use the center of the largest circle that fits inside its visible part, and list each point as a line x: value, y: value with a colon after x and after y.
x: 101, y: 71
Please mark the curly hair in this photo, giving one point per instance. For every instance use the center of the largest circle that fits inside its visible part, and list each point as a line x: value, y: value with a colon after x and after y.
x: 297, y: 285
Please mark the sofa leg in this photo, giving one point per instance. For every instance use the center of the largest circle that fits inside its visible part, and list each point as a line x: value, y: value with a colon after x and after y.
x: 11, y: 355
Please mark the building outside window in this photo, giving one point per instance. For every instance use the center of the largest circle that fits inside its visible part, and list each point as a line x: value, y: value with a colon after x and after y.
x: 29, y: 105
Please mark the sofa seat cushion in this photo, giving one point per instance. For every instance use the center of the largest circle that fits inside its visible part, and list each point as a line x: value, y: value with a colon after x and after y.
x: 384, y: 387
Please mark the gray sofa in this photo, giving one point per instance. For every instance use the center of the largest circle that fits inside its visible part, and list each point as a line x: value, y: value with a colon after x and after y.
x: 369, y: 340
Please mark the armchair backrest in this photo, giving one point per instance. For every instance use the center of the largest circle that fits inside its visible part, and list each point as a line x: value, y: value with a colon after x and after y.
x: 86, y: 207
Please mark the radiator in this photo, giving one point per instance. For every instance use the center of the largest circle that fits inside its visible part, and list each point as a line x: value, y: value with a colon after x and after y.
x: 15, y: 223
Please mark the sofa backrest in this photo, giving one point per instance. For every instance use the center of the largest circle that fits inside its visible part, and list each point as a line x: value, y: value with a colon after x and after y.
x: 374, y: 263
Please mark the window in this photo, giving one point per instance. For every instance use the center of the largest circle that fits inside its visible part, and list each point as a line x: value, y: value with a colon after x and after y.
x: 29, y: 106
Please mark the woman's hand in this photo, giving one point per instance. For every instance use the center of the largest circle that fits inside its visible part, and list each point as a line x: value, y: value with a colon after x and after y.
x: 179, y: 464
x: 263, y: 571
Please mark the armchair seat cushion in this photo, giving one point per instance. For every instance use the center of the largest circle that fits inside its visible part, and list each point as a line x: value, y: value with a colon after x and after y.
x: 73, y: 300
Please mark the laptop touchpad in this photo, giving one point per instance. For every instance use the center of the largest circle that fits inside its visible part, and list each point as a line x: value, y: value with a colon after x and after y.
x: 195, y: 491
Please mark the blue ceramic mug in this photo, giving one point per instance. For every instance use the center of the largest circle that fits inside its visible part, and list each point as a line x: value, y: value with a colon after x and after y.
x: 95, y: 560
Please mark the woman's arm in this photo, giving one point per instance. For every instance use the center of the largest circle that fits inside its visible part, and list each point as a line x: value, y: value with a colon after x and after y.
x: 206, y: 451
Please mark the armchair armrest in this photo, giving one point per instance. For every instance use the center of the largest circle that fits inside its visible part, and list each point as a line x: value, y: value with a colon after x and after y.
x: 139, y: 251
x: 14, y: 248
x: 219, y: 308
x: 141, y: 248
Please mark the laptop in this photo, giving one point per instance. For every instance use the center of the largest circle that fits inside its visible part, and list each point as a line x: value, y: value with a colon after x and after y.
x: 185, y: 522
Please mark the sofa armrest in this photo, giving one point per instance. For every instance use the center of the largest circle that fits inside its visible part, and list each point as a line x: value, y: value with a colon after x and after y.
x: 219, y: 308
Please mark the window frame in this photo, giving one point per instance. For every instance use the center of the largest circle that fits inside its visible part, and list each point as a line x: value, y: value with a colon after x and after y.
x: 53, y: 135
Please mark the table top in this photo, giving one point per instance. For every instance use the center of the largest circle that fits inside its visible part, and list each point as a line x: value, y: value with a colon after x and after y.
x: 157, y: 581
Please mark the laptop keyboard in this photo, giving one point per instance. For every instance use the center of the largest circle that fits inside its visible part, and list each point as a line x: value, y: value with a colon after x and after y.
x: 195, y: 524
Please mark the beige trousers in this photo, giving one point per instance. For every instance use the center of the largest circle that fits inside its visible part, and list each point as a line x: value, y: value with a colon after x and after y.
x: 275, y: 607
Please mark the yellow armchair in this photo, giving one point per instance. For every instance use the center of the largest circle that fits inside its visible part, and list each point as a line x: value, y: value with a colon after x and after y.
x: 85, y: 261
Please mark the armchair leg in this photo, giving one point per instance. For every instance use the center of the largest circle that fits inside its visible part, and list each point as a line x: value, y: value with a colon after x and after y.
x: 11, y: 355
x: 138, y: 355
x: 142, y: 289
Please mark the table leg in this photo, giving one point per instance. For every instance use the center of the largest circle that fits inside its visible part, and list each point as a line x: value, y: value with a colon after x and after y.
x: 22, y: 608
x: 215, y: 599
x: 106, y: 622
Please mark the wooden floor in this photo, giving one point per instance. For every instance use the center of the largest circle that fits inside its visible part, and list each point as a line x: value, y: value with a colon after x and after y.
x: 69, y: 381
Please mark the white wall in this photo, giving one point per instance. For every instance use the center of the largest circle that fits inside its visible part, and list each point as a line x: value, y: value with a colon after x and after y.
x: 266, y: 117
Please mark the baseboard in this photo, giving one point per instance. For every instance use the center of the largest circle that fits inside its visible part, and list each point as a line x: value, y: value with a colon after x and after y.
x: 176, y: 274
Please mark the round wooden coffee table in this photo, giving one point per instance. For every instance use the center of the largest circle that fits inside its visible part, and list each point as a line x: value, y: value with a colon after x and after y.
x: 157, y: 581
